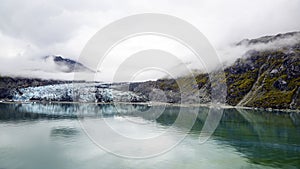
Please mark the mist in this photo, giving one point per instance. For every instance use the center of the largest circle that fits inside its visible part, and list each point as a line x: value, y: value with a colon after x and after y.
x: 232, y: 52
x: 30, y: 30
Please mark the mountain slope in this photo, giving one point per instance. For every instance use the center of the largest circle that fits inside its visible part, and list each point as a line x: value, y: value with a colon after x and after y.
x: 267, y: 78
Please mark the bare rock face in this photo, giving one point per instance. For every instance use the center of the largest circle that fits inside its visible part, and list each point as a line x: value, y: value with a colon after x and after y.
x: 280, y: 84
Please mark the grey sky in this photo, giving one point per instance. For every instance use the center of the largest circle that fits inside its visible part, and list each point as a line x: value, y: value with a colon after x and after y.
x: 33, y: 28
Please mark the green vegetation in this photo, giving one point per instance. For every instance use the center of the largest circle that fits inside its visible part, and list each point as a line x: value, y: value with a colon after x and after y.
x: 270, y: 95
x: 273, y: 99
x: 271, y: 76
x: 201, y: 80
x: 167, y: 84
x: 238, y: 85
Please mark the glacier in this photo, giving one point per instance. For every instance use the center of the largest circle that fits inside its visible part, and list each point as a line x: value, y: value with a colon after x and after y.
x: 76, y: 92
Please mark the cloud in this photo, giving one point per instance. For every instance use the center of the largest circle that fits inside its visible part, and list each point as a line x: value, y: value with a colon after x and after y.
x: 233, y: 51
x: 35, y: 28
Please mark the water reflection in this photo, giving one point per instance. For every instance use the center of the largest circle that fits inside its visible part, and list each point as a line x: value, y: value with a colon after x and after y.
x: 267, y: 139
x: 64, y: 132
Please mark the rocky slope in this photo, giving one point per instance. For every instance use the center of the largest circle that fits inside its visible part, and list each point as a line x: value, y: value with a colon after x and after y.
x: 266, y: 78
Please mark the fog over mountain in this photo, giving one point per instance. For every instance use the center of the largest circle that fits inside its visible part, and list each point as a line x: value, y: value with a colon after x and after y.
x: 30, y: 30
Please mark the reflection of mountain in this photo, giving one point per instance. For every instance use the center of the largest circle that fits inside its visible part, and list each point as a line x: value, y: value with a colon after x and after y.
x: 266, y: 138
x: 263, y: 137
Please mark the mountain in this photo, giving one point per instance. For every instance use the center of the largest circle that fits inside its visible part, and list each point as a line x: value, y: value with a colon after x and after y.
x: 66, y: 65
x: 269, y: 39
x: 266, y: 78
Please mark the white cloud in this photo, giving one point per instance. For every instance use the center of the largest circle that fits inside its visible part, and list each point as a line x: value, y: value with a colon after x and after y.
x: 35, y: 28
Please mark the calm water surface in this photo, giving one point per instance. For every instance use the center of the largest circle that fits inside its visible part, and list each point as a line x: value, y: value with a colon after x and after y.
x: 35, y: 136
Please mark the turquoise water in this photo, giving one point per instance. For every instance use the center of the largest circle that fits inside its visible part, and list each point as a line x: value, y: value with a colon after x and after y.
x: 48, y: 136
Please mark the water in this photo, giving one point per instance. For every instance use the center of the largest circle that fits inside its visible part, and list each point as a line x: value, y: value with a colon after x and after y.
x: 35, y: 136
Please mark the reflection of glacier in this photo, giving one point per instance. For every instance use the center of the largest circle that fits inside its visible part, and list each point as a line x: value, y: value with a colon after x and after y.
x: 82, y: 92
x: 66, y: 110
x: 265, y: 138
x: 96, y: 110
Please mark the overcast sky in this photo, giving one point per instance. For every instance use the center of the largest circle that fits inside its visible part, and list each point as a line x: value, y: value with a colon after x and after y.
x: 30, y: 29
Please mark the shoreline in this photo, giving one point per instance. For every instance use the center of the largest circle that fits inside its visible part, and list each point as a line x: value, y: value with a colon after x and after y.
x: 156, y: 104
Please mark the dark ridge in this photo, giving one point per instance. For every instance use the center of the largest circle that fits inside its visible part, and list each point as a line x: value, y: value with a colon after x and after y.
x: 69, y: 64
x: 267, y: 39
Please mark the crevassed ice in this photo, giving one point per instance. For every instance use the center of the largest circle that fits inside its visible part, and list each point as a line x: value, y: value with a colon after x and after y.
x: 81, y: 92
